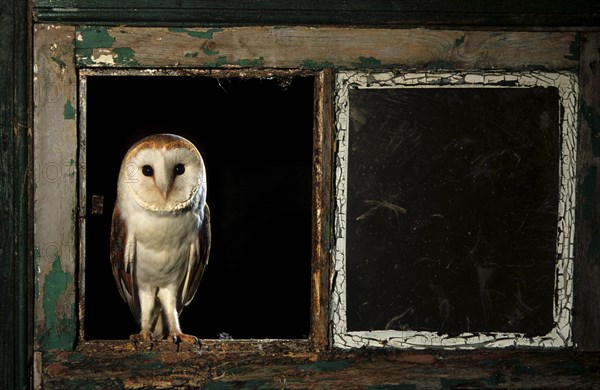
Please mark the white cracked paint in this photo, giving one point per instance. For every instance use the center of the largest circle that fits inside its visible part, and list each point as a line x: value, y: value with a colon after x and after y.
x: 561, y: 335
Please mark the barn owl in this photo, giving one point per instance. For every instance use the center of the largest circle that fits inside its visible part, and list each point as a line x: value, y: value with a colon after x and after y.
x: 160, y: 236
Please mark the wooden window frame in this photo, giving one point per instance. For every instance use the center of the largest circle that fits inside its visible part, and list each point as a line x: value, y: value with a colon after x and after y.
x: 560, y: 335
x: 62, y: 51
x: 317, y: 339
x: 60, y: 174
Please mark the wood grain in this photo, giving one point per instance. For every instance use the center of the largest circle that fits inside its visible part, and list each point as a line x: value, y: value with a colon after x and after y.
x: 101, y: 364
x: 15, y: 190
x: 322, y: 211
x: 55, y: 182
x: 586, y: 316
x: 532, y: 14
x: 318, y: 48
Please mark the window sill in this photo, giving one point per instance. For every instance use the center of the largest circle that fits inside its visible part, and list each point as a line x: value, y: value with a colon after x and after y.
x: 290, y: 364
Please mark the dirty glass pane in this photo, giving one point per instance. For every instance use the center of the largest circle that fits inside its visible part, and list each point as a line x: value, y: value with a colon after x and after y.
x: 452, y: 209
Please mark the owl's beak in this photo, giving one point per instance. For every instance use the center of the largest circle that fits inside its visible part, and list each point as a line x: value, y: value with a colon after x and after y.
x: 164, y: 184
x: 165, y: 189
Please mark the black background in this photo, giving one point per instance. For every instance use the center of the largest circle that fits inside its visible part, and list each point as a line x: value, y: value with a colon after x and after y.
x: 255, y: 136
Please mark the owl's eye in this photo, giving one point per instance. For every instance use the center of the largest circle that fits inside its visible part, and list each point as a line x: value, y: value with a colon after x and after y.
x: 147, y: 170
x: 179, y: 169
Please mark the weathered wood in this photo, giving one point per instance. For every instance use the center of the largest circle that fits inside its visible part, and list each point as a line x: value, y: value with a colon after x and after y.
x: 533, y: 14
x: 15, y: 253
x: 322, y: 210
x: 55, y: 181
x: 272, y: 364
x: 318, y: 48
x: 100, y: 365
x: 587, y: 246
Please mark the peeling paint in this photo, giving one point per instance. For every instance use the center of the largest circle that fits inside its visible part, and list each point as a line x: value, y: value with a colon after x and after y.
x: 314, y: 65
x: 58, y: 61
x: 125, y: 56
x: 60, y: 321
x: 93, y: 37
x: 367, y: 62
x: 209, y: 52
x: 208, y: 34
x: 219, y: 61
x: 250, y: 63
x: 69, y: 111
x: 561, y: 335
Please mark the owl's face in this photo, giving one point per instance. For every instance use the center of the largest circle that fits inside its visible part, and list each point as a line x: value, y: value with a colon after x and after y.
x: 163, y: 173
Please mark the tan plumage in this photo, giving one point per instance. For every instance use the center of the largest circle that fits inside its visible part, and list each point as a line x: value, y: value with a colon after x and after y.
x: 160, y: 236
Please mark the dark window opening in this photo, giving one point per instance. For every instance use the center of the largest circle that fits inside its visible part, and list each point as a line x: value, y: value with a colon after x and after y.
x: 452, y: 209
x: 256, y: 137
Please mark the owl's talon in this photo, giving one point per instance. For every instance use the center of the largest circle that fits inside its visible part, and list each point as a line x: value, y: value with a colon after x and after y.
x: 184, y: 338
x: 143, y: 336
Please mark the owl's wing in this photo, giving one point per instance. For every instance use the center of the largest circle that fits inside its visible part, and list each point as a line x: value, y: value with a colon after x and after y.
x: 197, y: 261
x: 122, y: 258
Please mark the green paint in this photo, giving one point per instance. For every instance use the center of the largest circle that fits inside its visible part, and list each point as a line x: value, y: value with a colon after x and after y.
x: 84, y: 57
x: 69, y: 111
x: 93, y: 38
x: 125, y: 56
x: 327, y: 241
x: 60, y: 327
x: 208, y: 34
x: 250, y: 63
x: 209, y: 52
x: 58, y: 61
x: 219, y: 61
x: 314, y: 65
x: 592, y: 118
x: 76, y: 358
x: 367, y: 62
x: 192, y: 54
x: 437, y: 65
x: 326, y: 366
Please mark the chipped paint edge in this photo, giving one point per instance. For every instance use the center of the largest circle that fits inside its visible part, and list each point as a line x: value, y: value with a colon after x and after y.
x: 54, y: 173
x: 561, y: 334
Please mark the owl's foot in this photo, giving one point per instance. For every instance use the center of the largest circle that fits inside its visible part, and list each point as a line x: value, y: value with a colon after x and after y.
x: 179, y: 337
x: 143, y: 336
